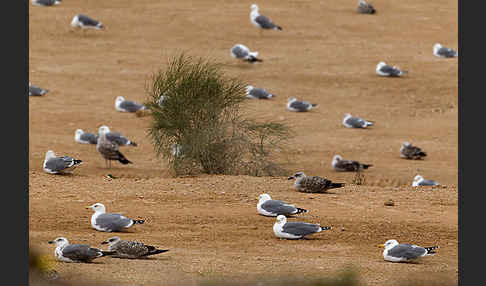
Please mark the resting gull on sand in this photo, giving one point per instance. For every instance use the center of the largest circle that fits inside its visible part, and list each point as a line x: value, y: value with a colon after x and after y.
x: 443, y: 52
x: 109, y: 222
x: 402, y: 252
x: 299, y: 105
x: 66, y: 252
x: 258, y: 93
x: 84, y: 22
x: 59, y: 165
x: 339, y: 164
x: 46, y: 2
x: 356, y: 122
x: 382, y: 69
x: 313, y: 184
x: 268, y: 207
x: 127, y: 105
x: 36, y: 91
x: 242, y: 52
x: 408, y: 151
x: 365, y: 8
x: 295, y: 230
x: 420, y: 181
x: 130, y: 249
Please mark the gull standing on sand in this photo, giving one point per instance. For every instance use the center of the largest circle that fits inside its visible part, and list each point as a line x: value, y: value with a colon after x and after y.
x: 420, y: 181
x: 130, y: 249
x: 84, y: 22
x: 339, y: 164
x: 365, y: 8
x: 268, y: 207
x: 295, y: 230
x: 356, y: 122
x: 403, y: 252
x: 299, y: 106
x: 59, y: 165
x: 408, y: 151
x: 313, y: 184
x: 382, y: 69
x: 443, y: 52
x: 66, y: 252
x: 242, y: 52
x: 260, y: 21
x: 109, y: 149
x: 109, y: 222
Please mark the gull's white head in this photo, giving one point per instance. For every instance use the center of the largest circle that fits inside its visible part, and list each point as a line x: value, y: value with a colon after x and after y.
x: 78, y: 133
x: 281, y: 219
x: 292, y: 99
x: 254, y: 7
x: 347, y: 115
x: 111, y: 240
x: 249, y: 88
x: 119, y: 99
x: 263, y: 198
x: 406, y: 144
x: 103, y: 129
x: 336, y: 158
x: 380, y: 65
x: 98, y: 207
x: 50, y: 154
x: 389, y: 244
x: 417, y: 180
x: 60, y: 241
x: 298, y: 176
x: 437, y: 46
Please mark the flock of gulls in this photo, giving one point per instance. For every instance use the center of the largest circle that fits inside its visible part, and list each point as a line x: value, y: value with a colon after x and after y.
x: 108, y: 142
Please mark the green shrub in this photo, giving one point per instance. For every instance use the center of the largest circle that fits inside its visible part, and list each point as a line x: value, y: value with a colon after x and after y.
x: 195, y: 107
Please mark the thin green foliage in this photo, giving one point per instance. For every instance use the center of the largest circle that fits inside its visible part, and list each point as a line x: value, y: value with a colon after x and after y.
x: 197, y: 125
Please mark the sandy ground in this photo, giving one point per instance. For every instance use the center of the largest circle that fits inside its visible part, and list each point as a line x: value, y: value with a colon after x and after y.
x: 326, y: 54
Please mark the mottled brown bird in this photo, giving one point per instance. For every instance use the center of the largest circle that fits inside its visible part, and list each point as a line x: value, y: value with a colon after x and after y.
x: 109, y: 149
x: 130, y: 249
x: 313, y: 184
x: 408, y: 151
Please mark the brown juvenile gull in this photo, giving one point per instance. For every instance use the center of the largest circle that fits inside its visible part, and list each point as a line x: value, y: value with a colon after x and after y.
x: 313, y: 184
x: 109, y: 149
x: 109, y: 222
x: 365, y: 8
x: 260, y: 21
x: 295, y: 230
x: 85, y: 22
x: 420, y: 181
x: 408, y: 151
x: 403, y: 252
x: 130, y: 249
x: 339, y: 164
x: 59, y: 165
x: 268, y: 207
x: 66, y: 252
x: 382, y: 69
x: 242, y: 52
x: 443, y: 52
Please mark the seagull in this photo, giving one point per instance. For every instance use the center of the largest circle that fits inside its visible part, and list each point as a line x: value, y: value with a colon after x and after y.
x: 109, y: 222
x: 295, y: 230
x: 356, y: 122
x: 46, y: 2
x: 36, y: 91
x: 130, y: 249
x: 59, y: 165
x: 420, y: 181
x: 85, y: 137
x: 117, y: 138
x: 177, y: 150
x: 261, y: 21
x: 339, y: 164
x: 109, y: 149
x: 66, y: 252
x: 299, y: 106
x: 443, y: 52
x: 258, y: 93
x: 242, y: 52
x: 382, y: 69
x: 395, y: 252
x: 127, y: 106
x: 268, y: 207
x: 365, y: 8
x: 84, y: 22
x: 408, y: 151
x: 313, y: 184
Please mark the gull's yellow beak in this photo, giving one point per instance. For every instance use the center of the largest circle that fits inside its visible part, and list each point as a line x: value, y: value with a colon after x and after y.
x: 87, y: 207
x: 381, y: 245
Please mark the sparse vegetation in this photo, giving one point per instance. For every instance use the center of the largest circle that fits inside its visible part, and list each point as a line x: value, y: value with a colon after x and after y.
x: 359, y: 178
x: 195, y: 107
